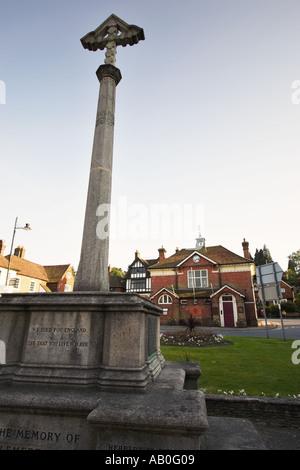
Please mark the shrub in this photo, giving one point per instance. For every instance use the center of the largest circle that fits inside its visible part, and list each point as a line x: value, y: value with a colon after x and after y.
x: 192, y: 323
x: 288, y: 307
x: 193, y: 339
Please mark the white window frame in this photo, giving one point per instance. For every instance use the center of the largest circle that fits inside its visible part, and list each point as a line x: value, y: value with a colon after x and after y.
x: 138, y: 270
x: 165, y: 299
x: 18, y: 279
x: 32, y: 286
x: 196, y: 281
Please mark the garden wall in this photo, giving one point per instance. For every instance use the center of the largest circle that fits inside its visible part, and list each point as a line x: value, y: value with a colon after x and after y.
x: 262, y: 410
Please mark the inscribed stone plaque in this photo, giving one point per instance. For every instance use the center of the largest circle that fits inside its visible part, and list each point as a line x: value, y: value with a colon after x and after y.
x: 58, y: 339
x: 44, y: 432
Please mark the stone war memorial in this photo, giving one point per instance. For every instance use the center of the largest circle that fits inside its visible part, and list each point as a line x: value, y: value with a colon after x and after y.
x: 83, y: 370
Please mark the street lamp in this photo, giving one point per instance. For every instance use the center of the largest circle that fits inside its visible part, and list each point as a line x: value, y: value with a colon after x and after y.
x: 27, y: 227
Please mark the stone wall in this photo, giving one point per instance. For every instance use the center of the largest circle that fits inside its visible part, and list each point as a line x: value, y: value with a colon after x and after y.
x: 262, y: 410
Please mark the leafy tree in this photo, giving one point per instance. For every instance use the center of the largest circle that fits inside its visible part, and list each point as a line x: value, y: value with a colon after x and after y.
x: 292, y: 275
x: 294, y: 262
x: 258, y: 257
x: 262, y: 256
x: 117, y: 272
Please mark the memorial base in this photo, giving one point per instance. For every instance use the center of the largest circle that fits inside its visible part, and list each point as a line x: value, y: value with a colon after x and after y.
x: 85, y: 371
x: 109, y: 341
x: 52, y: 418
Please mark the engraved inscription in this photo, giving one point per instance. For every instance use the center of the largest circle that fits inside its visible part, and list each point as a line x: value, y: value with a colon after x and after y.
x: 50, y: 342
x: 33, y: 439
x: 66, y: 337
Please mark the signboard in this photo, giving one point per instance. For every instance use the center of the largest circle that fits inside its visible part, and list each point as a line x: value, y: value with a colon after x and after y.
x: 270, y: 292
x: 270, y: 273
x: 268, y: 277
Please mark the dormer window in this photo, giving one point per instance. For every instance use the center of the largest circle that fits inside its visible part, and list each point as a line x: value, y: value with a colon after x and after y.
x: 165, y: 299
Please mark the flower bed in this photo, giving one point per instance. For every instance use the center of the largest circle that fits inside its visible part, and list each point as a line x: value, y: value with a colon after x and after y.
x: 200, y: 339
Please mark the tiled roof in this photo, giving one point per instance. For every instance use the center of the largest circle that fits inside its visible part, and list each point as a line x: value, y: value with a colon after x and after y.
x: 151, y: 261
x: 187, y: 293
x: 34, y: 270
x: 147, y: 262
x: 117, y: 281
x: 28, y: 268
x: 56, y: 272
x: 3, y: 262
x: 218, y: 254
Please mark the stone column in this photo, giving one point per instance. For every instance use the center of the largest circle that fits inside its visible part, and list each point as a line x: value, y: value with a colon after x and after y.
x: 92, y: 272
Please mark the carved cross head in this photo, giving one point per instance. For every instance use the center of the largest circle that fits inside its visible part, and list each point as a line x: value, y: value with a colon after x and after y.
x: 111, y: 33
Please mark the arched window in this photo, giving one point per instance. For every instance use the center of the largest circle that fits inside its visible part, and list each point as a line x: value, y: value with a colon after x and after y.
x: 165, y: 299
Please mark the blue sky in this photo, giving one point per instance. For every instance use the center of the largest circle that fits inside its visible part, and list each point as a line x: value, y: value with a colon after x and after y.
x: 206, y: 124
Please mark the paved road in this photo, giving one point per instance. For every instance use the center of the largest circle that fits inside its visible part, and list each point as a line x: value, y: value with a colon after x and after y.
x: 291, y: 329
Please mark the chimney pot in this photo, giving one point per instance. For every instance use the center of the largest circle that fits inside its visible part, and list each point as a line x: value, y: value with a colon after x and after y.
x: 19, y: 252
x: 246, y: 249
x: 162, y: 253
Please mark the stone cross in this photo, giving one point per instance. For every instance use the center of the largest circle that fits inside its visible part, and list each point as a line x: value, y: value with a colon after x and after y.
x: 92, y: 274
x: 110, y: 34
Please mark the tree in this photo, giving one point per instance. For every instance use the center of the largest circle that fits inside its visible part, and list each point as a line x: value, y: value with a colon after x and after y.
x: 292, y: 275
x: 258, y: 257
x: 262, y: 256
x: 117, y: 272
x: 294, y: 262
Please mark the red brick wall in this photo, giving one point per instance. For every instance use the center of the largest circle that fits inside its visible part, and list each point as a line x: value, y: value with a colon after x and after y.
x: 241, y: 281
x: 158, y: 282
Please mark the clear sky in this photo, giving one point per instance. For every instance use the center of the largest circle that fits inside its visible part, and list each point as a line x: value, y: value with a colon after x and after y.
x: 207, y: 126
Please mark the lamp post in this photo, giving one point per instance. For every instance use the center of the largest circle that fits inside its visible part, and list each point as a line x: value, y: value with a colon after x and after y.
x: 27, y: 227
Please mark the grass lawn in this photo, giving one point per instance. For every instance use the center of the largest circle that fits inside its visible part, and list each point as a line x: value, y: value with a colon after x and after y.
x: 256, y: 365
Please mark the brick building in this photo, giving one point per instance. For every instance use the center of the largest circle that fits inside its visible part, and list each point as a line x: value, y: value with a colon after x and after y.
x: 23, y: 275
x: 211, y: 283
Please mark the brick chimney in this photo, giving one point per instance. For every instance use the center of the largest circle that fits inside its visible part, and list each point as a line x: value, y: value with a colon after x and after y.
x: 246, y: 249
x: 137, y: 254
x: 20, y: 252
x: 162, y: 253
x: 2, y: 247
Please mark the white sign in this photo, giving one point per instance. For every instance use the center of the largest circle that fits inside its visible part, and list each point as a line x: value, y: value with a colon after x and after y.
x: 270, y: 293
x: 270, y: 273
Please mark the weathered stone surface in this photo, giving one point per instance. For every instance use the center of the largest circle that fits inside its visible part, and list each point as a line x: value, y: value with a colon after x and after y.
x: 92, y: 274
x: 84, y: 370
x: 232, y: 434
x: 45, y: 418
x: 83, y: 339
x: 53, y: 418
x: 111, y: 33
x: 167, y: 417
